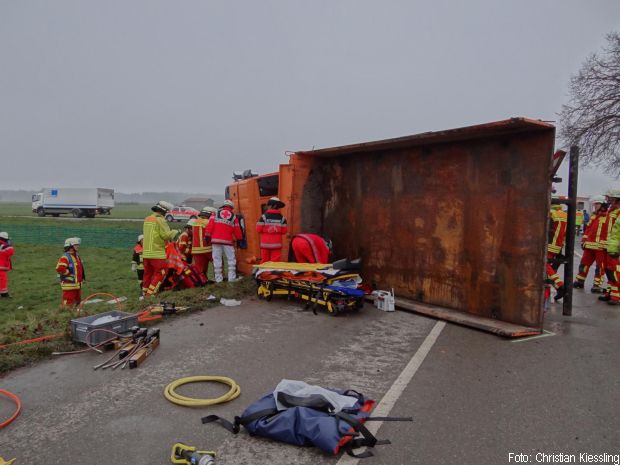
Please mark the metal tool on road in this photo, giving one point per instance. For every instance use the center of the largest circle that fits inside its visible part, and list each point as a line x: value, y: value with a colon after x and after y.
x: 2, y: 462
x: 184, y: 454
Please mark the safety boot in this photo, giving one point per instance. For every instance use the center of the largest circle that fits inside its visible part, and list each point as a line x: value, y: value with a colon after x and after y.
x: 578, y: 284
x: 597, y: 290
x: 560, y: 292
x: 613, y: 302
x: 5, y: 295
x: 605, y: 297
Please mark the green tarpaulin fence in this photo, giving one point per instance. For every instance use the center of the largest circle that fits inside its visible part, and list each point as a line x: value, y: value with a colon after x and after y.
x: 108, y: 238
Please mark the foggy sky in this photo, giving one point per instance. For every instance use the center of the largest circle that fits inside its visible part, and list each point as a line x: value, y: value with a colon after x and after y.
x: 174, y: 95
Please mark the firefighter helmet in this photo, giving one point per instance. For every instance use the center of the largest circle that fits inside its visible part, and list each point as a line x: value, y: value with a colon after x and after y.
x: 228, y: 203
x: 190, y: 223
x: 72, y: 241
x: 4, y: 235
x: 275, y: 202
x: 598, y: 199
x: 162, y: 206
x: 208, y: 211
x: 613, y: 193
x: 140, y: 237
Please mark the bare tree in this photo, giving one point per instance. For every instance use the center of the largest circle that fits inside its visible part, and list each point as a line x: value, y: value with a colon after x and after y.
x: 591, y: 119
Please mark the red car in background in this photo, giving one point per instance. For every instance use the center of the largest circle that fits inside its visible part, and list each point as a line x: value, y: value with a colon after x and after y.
x: 181, y: 213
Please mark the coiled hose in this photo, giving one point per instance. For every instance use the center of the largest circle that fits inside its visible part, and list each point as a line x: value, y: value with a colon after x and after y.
x: 172, y: 396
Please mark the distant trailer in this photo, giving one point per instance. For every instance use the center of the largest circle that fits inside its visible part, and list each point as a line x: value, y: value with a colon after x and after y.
x: 79, y: 202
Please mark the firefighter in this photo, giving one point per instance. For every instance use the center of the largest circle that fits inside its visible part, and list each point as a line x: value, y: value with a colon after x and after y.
x: 70, y: 270
x: 184, y: 242
x: 557, y: 236
x: 593, y: 248
x: 137, y: 262
x: 6, y: 252
x: 271, y: 227
x: 201, y: 245
x: 224, y: 230
x: 310, y: 248
x: 156, y: 234
x: 612, y: 245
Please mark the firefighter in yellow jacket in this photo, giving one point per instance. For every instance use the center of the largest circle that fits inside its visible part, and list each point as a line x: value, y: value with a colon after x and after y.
x: 70, y: 270
x: 156, y: 233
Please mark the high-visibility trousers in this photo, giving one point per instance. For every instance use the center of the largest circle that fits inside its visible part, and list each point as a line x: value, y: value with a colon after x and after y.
x: 612, y: 270
x: 552, y: 273
x: 200, y: 263
x: 589, y: 257
x: 270, y: 255
x: 4, y: 282
x: 155, y: 270
x: 71, y: 297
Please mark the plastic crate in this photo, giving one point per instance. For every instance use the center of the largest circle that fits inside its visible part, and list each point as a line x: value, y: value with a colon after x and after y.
x: 80, y: 327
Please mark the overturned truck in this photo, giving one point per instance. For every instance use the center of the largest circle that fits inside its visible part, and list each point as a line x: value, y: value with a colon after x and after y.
x: 454, y: 221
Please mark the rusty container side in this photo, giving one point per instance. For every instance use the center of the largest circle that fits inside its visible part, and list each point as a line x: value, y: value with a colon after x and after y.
x: 455, y: 219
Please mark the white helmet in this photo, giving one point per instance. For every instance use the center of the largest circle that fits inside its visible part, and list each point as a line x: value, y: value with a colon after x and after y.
x: 276, y: 202
x: 228, y: 203
x: 162, y: 205
x: 598, y: 199
x: 70, y: 242
x: 140, y: 237
x: 191, y: 222
x: 613, y: 193
x: 4, y: 235
x: 208, y: 211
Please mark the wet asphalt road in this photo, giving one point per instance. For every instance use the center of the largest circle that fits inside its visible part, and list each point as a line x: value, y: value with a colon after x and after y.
x: 475, y: 398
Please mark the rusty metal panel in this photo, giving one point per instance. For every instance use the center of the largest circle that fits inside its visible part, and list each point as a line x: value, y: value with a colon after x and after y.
x: 455, y: 218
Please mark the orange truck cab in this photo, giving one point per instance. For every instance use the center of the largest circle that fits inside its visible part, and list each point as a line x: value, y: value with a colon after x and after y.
x: 250, y: 193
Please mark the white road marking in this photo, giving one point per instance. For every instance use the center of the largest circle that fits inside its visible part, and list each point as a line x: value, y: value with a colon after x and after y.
x: 531, y: 338
x: 386, y: 404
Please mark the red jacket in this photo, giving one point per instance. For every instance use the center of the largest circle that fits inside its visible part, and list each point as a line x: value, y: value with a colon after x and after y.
x: 224, y: 227
x: 310, y: 248
x: 5, y: 258
x: 71, y: 271
x: 271, y: 226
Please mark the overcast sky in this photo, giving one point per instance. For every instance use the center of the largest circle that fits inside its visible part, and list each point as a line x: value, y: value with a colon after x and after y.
x: 175, y: 95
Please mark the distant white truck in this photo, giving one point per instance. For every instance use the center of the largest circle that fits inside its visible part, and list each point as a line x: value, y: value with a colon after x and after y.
x: 86, y: 202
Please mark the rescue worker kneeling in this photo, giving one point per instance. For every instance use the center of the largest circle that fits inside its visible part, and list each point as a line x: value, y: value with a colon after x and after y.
x: 156, y: 234
x: 70, y: 270
x: 310, y: 248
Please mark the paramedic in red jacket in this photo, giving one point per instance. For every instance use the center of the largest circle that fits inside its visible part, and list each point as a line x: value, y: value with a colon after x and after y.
x: 6, y: 252
x: 310, y: 248
x: 224, y: 230
x: 271, y: 227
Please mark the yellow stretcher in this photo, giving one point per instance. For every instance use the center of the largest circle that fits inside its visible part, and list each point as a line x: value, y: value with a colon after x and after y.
x: 322, y: 285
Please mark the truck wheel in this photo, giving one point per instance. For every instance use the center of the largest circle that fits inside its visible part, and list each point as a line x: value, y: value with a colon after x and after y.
x: 76, y: 213
x: 169, y: 218
x: 40, y: 212
x: 55, y: 215
x: 90, y: 214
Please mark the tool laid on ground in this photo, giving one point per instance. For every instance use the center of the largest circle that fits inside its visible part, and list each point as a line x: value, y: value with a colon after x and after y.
x: 2, y: 462
x: 133, y: 350
x: 184, y: 454
x: 158, y: 311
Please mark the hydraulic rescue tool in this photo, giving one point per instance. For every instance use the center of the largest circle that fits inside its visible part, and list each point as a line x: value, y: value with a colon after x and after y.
x: 184, y: 454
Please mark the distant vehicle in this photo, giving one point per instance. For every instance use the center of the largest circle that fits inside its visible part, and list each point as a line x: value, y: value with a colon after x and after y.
x: 86, y: 202
x: 181, y: 213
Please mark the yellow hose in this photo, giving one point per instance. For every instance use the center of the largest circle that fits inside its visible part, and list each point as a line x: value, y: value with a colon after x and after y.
x: 178, y: 399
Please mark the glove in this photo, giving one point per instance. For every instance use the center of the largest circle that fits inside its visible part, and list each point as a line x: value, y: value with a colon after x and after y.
x: 134, y: 266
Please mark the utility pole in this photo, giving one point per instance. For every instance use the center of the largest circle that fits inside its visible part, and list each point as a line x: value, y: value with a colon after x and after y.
x: 573, y: 175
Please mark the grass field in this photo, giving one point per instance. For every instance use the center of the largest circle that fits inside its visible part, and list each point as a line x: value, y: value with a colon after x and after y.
x: 120, y: 211
x: 34, y: 308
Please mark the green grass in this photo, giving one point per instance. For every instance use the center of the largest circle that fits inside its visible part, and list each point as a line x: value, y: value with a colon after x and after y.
x: 34, y: 308
x: 120, y: 211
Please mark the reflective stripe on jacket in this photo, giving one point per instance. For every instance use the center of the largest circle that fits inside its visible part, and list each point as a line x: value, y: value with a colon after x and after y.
x: 71, y: 271
x: 137, y: 256
x: 612, y: 216
x: 156, y: 233
x: 594, y: 231
x: 557, y: 231
x: 224, y: 227
x: 271, y: 226
x: 200, y: 244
